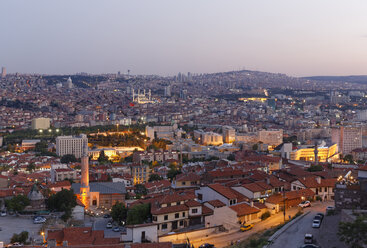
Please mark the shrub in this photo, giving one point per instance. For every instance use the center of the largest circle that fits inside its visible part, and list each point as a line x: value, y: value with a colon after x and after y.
x: 265, y: 215
x: 318, y: 198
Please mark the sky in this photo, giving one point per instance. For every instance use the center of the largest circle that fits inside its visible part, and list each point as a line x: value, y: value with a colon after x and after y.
x: 164, y: 37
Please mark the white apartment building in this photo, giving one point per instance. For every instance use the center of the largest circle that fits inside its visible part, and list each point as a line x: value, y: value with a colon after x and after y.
x: 348, y: 138
x: 71, y: 145
x: 40, y: 123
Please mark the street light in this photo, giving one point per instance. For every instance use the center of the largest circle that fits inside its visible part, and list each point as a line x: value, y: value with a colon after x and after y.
x: 43, y: 236
x: 49, y: 130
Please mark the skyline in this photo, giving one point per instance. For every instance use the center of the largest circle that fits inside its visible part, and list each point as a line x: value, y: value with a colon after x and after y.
x: 165, y: 38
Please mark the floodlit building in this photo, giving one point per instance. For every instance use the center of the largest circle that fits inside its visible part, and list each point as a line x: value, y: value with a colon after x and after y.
x: 348, y: 138
x: 229, y: 134
x: 41, y: 123
x: 71, y: 145
x: 272, y: 138
x: 140, y: 173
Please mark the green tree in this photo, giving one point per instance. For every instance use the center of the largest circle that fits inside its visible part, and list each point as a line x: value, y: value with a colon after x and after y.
x: 154, y: 177
x: 17, y: 203
x: 140, y: 190
x: 255, y: 147
x: 172, y: 173
x: 64, y: 200
x: 315, y: 168
x: 41, y: 146
x: 138, y: 214
x: 102, y: 157
x: 349, y: 159
x: 354, y: 233
x: 119, y: 212
x: 68, y: 158
x: 231, y: 157
x: 21, y: 237
x: 31, y: 167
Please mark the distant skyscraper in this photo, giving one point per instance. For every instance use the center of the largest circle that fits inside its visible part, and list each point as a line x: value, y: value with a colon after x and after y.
x: 3, y: 72
x: 167, y: 90
x: 183, y: 94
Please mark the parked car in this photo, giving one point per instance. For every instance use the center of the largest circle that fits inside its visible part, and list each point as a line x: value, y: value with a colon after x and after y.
x: 317, y: 217
x: 305, y: 204
x: 246, y: 227
x: 106, y: 216
x: 206, y: 245
x: 310, y: 246
x: 109, y: 225
x: 316, y: 223
x: 328, y: 208
x: 39, y: 220
x: 3, y: 213
x: 116, y: 229
x: 16, y: 244
x: 321, y: 215
x: 308, y: 238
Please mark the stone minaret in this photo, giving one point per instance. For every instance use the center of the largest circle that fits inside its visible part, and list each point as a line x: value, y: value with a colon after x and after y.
x: 84, y: 182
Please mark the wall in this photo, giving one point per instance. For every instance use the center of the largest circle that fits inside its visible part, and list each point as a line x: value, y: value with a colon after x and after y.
x: 193, y: 235
x: 223, y: 216
x: 209, y: 194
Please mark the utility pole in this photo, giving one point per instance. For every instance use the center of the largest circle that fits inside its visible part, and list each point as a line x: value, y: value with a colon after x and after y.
x: 284, y: 204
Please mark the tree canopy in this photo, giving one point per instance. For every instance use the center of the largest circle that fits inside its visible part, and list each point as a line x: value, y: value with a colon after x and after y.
x: 354, y: 233
x: 103, y: 158
x: 138, y: 214
x: 119, y: 212
x: 154, y: 177
x: 21, y: 237
x: 64, y: 201
x: 17, y: 203
x: 68, y: 158
x: 140, y: 190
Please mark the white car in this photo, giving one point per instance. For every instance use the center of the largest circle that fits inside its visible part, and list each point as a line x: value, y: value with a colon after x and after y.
x: 3, y: 214
x: 39, y: 220
x: 316, y: 223
x: 305, y: 204
x: 328, y: 208
x: 109, y: 225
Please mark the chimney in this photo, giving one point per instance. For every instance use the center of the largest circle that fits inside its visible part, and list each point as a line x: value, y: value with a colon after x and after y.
x: 318, y: 179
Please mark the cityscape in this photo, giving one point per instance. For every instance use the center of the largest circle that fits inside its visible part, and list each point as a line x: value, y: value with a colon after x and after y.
x: 219, y: 158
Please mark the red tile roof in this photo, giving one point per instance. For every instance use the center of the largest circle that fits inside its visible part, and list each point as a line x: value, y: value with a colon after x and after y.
x: 216, y: 203
x: 244, y: 209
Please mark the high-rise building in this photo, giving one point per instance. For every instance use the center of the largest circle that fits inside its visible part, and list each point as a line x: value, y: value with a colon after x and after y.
x: 167, y: 90
x: 40, y: 123
x: 3, y: 72
x: 71, y: 145
x: 183, y: 94
x: 348, y: 138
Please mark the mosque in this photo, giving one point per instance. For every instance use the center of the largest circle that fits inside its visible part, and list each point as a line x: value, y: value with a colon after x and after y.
x: 97, y: 194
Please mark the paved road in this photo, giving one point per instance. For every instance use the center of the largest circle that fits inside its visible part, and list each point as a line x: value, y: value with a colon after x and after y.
x: 325, y: 236
x: 225, y: 239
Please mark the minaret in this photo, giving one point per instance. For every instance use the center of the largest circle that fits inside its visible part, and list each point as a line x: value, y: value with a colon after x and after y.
x: 84, y: 182
x: 316, y: 151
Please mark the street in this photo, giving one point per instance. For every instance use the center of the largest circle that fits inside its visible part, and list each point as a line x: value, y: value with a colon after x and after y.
x: 100, y: 224
x: 225, y: 239
x: 325, y: 236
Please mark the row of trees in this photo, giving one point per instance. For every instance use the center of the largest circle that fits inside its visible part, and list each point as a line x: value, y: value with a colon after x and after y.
x: 115, y: 140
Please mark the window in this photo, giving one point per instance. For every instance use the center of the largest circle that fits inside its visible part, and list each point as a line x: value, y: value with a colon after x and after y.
x: 154, y: 218
x: 320, y: 190
x: 181, y: 223
x: 183, y: 214
x: 168, y: 204
x: 294, y: 188
x: 177, y: 215
x: 164, y: 226
x: 325, y: 189
x: 106, y: 201
x: 194, y: 210
x: 165, y: 218
x: 183, y: 183
x: 200, y: 197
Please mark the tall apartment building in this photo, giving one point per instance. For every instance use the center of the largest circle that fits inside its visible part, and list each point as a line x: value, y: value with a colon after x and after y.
x: 229, y: 134
x: 71, y: 145
x: 140, y: 173
x: 272, y: 138
x: 40, y: 123
x: 348, y: 138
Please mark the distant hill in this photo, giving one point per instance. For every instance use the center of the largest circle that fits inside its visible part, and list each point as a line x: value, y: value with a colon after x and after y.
x: 360, y: 79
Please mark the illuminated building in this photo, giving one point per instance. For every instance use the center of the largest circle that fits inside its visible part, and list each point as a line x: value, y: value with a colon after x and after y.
x: 109, y: 152
x: 272, y: 138
x: 140, y: 173
x: 229, y: 134
x: 253, y: 99
x: 142, y: 97
x: 348, y: 138
x: 307, y: 153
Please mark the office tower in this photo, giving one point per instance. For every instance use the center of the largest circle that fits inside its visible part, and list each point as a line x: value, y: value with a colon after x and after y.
x: 3, y: 72
x: 40, y: 123
x: 348, y: 138
x: 71, y: 145
x: 183, y: 94
x: 167, y: 90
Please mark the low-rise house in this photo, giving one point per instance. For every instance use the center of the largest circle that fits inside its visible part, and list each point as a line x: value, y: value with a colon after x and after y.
x: 323, y: 188
x: 225, y: 194
x: 186, y: 180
